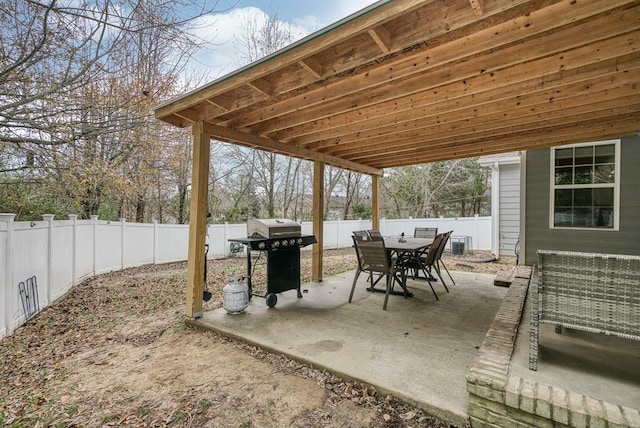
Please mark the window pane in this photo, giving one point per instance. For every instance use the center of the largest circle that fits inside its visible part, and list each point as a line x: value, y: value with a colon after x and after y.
x: 603, y: 217
x: 577, y: 202
x: 606, y: 153
x: 583, y: 175
x: 605, y: 174
x: 563, y: 217
x: 564, y: 198
x: 583, y: 198
x: 564, y: 157
x: 582, y: 217
x: 584, y: 155
x: 564, y: 175
x: 603, y: 197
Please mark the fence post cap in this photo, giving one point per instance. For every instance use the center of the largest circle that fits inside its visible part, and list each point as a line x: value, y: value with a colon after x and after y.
x: 48, y: 217
x: 93, y: 216
x: 8, y: 217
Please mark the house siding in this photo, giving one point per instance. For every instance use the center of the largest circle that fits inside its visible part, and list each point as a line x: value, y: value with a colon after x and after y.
x: 540, y: 236
x: 509, y: 227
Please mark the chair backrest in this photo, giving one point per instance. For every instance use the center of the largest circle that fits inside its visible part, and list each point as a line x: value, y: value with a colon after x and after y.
x: 374, y: 255
x: 443, y: 244
x: 434, y: 250
x: 358, y: 252
x: 361, y: 235
x: 425, y: 232
x: 375, y: 235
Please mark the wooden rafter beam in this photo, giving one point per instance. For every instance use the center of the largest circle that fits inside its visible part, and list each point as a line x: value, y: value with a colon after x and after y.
x: 490, y: 107
x: 477, y: 6
x: 479, y: 77
x: 340, y: 34
x: 191, y: 116
x: 568, y: 134
x: 438, y: 59
x: 469, y: 130
x: 382, y: 37
x: 312, y: 65
x: 393, y: 107
x: 262, y: 86
x: 256, y: 142
x: 215, y: 104
x: 435, y: 141
x: 223, y: 101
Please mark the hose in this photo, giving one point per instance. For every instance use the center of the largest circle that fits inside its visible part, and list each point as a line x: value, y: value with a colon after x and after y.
x: 487, y: 260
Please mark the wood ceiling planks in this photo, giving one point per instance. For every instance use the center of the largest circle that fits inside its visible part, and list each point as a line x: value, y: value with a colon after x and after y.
x: 419, y: 81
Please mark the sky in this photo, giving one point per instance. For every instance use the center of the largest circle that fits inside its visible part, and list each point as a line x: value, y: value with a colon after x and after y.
x: 303, y: 17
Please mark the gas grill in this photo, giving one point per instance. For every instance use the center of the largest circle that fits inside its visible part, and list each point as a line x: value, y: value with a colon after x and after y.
x: 277, y: 243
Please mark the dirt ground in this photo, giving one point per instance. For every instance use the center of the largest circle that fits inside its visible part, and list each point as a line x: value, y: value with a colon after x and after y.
x: 116, y: 352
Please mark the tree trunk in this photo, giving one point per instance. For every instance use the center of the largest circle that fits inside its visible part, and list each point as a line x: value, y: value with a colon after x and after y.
x: 182, y: 200
x: 141, y: 204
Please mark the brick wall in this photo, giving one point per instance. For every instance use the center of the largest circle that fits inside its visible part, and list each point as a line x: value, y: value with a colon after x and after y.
x: 499, y: 400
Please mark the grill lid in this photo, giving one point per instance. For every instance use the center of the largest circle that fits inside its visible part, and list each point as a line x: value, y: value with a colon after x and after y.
x: 272, y: 228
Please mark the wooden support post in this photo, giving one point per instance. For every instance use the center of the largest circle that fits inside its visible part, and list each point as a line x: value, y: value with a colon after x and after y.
x: 318, y: 220
x: 375, y: 202
x: 197, y: 220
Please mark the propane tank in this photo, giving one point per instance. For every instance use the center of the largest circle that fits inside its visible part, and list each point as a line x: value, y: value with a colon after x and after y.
x: 235, y: 295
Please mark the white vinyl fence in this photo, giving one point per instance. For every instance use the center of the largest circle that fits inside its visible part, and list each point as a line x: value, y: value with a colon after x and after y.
x: 61, y: 253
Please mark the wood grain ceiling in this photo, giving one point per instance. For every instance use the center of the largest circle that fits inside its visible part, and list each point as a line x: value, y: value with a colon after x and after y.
x: 409, y: 81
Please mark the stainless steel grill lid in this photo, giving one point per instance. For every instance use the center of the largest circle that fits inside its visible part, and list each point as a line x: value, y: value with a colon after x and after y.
x: 273, y: 228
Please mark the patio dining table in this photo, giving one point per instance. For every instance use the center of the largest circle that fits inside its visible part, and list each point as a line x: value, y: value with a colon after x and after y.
x: 408, y: 245
x: 403, y: 248
x: 411, y: 247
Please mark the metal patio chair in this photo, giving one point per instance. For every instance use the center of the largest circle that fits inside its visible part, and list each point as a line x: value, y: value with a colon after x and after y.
x: 439, y: 263
x: 425, y: 232
x: 362, y: 236
x: 375, y: 235
x: 425, y: 261
x: 374, y: 260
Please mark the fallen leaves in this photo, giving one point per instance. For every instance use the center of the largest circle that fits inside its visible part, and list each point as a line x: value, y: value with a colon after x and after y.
x: 106, y: 312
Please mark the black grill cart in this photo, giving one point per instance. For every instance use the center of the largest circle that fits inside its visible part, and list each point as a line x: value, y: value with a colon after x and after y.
x: 279, y: 250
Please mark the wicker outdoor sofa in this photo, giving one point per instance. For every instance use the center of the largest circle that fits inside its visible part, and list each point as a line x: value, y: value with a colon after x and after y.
x: 598, y: 293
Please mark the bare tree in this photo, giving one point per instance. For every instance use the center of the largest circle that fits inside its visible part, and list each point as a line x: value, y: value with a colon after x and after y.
x: 78, y: 80
x: 262, y: 35
x: 51, y: 50
x: 274, y: 174
x: 431, y: 190
x: 353, y: 184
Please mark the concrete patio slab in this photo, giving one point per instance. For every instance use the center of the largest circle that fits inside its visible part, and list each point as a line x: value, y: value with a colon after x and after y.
x: 419, y: 349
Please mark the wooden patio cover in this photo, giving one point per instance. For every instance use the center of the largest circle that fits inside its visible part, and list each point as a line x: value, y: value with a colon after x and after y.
x: 413, y: 81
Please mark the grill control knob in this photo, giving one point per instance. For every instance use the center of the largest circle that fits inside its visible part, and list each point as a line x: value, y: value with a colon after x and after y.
x: 261, y: 245
x: 284, y: 243
x: 275, y: 244
x: 292, y: 241
x: 299, y: 241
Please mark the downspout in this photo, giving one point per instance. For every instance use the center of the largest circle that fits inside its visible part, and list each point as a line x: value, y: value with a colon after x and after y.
x: 523, y: 209
x: 495, y: 209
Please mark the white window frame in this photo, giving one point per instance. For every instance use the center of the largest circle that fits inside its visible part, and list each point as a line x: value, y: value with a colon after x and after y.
x: 616, y: 187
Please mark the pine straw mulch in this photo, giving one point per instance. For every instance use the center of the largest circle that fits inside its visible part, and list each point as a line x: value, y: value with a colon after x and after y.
x: 59, y: 369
